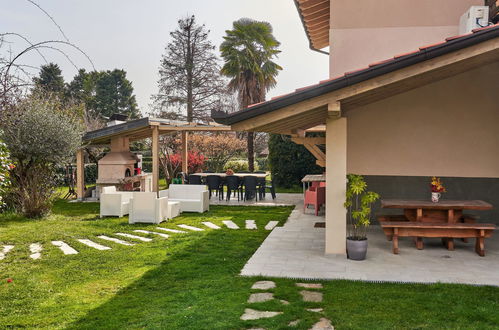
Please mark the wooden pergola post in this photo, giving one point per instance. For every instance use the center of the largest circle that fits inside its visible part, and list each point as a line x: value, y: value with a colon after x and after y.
x: 80, y: 174
x: 155, y: 159
x: 185, y: 136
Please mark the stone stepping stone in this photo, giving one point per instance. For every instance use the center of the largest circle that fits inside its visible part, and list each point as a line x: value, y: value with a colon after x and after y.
x: 311, y: 296
x: 250, y: 224
x: 293, y: 323
x: 263, y: 285
x: 35, y: 249
x: 230, y: 224
x: 284, y: 302
x: 271, y: 224
x: 315, y: 310
x: 151, y: 232
x: 65, y: 248
x: 172, y: 230
x: 260, y: 297
x: 94, y: 245
x: 6, y: 249
x: 251, y: 314
x: 211, y: 225
x: 191, y: 228
x: 323, y: 324
x: 309, y: 285
x: 140, y: 238
x: 115, y: 240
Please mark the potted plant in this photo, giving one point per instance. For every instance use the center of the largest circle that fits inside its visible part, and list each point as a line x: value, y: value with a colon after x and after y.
x: 358, y: 203
x: 437, y: 188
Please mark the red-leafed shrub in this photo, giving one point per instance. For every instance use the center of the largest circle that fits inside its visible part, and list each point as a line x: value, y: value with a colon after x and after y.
x: 195, y: 162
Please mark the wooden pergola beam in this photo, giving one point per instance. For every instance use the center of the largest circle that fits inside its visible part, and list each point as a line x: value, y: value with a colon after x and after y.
x: 80, y: 174
x: 185, y: 158
x: 155, y: 159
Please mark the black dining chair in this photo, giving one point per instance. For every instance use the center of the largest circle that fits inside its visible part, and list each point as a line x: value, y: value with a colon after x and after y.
x: 194, y: 179
x: 233, y: 184
x: 250, y: 185
x: 261, y: 187
x: 215, y: 183
x: 270, y: 187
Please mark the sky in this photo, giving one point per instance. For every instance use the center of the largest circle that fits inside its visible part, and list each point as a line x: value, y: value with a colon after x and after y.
x: 132, y: 35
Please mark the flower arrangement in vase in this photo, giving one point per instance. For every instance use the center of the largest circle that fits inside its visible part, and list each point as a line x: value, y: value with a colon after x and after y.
x: 229, y: 172
x: 437, y: 188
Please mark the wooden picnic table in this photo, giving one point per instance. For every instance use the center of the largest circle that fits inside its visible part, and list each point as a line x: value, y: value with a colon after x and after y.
x: 445, y: 211
x: 426, y: 211
x: 223, y: 175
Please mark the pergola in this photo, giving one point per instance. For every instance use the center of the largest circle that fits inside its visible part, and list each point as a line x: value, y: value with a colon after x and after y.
x: 138, y: 130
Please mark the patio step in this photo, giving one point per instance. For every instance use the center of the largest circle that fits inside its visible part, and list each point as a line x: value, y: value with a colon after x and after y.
x: 5, y: 250
x: 115, y: 240
x: 172, y: 230
x: 36, y: 250
x: 211, y: 225
x: 190, y: 227
x: 140, y: 238
x: 94, y: 245
x: 271, y: 224
x: 230, y: 224
x: 64, y: 247
x: 250, y: 224
x: 151, y: 232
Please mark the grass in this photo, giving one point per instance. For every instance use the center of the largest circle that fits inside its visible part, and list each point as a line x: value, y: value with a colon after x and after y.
x: 190, y: 281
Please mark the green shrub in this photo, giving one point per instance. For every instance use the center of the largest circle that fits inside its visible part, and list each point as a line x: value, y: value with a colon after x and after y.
x: 238, y: 165
x: 262, y: 164
x: 289, y: 162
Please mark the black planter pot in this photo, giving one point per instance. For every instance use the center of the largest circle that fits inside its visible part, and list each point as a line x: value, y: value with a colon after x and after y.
x: 356, y: 249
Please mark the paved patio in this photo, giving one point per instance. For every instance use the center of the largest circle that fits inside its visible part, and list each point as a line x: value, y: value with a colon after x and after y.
x: 296, y: 250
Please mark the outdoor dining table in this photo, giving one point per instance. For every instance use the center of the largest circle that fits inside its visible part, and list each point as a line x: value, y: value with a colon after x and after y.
x: 444, y: 211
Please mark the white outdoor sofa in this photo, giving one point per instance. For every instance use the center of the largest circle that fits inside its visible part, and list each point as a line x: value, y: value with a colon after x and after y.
x: 145, y: 207
x: 114, y: 202
x: 192, y: 197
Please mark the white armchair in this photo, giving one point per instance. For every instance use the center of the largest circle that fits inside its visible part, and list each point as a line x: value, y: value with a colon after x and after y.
x: 146, y: 207
x: 192, y: 197
x: 114, y: 203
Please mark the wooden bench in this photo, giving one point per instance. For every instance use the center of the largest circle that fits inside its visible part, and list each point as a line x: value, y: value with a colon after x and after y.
x: 479, y: 231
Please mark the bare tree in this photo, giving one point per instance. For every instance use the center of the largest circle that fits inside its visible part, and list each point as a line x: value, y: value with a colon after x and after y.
x: 190, y: 85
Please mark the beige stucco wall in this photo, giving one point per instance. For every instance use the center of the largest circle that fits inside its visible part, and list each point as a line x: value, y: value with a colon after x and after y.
x: 447, y: 128
x: 366, y: 31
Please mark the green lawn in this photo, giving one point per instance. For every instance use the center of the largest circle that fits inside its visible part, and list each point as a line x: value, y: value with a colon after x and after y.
x: 190, y: 281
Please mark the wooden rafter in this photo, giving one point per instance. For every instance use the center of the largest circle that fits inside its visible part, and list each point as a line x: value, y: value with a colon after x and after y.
x: 315, y: 15
x: 311, y: 143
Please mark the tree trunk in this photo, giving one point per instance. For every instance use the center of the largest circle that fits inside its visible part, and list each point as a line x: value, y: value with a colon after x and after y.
x: 251, y: 152
x: 189, y: 67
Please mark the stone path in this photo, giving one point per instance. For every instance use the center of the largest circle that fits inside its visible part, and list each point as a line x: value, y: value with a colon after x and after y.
x: 271, y: 225
x: 65, y: 248
x: 35, y: 249
x: 115, y: 240
x: 250, y: 224
x: 191, y: 228
x: 176, y: 231
x: 140, y: 238
x: 314, y: 296
x: 151, y: 232
x: 210, y: 225
x: 94, y: 245
x: 230, y: 224
x: 5, y: 250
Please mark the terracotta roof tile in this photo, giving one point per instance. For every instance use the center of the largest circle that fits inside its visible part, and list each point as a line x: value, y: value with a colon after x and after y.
x: 254, y: 104
x: 458, y: 36
x: 431, y: 45
x: 303, y: 88
x: 380, y: 62
x: 406, y: 54
x: 355, y: 71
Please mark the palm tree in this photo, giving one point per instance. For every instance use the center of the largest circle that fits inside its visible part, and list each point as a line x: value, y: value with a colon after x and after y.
x: 248, y: 50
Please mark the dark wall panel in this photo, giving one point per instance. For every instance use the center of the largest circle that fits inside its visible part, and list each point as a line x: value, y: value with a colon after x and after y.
x: 417, y: 187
